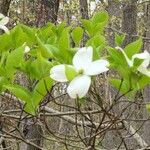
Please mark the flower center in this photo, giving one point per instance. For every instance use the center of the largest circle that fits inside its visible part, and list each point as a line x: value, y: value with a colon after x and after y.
x: 81, y: 71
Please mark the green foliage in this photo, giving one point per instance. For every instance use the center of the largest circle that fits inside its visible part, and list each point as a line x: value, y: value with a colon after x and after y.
x: 14, y: 60
x: 121, y: 85
x: 96, y: 24
x: 41, y: 89
x: 40, y: 67
x: 77, y: 35
x: 118, y: 62
x: 100, y: 17
x: 64, y: 45
x: 133, y: 48
x: 51, y: 45
x: 131, y: 78
x: 23, y: 95
x: 119, y: 39
x: 43, y: 48
x: 148, y: 107
x: 31, y: 99
x: 70, y: 72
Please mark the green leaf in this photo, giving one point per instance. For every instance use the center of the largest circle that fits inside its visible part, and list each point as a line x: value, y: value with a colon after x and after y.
x: 88, y: 26
x: 143, y: 81
x: 47, y: 33
x: 148, y: 107
x: 99, y: 28
x: 3, y: 82
x: 43, y: 48
x: 96, y: 41
x: 41, y: 89
x: 60, y: 28
x: 14, y: 60
x: 41, y: 67
x: 20, y: 92
x: 56, y: 52
x: 70, y: 72
x: 123, y: 87
x: 100, y: 17
x: 117, y: 57
x: 5, y: 42
x: 118, y: 84
x: 137, y: 62
x: 119, y: 39
x: 20, y: 37
x: 64, y: 41
x: 64, y: 46
x: 23, y: 95
x: 77, y: 35
x: 52, y: 39
x: 30, y: 34
x: 133, y: 48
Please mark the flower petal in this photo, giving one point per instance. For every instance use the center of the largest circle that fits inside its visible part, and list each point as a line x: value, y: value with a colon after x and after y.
x: 4, y: 28
x: 27, y: 49
x: 144, y: 71
x: 4, y: 21
x: 97, y: 67
x: 145, y: 55
x: 1, y: 16
x: 57, y: 73
x: 83, y: 57
x: 79, y: 86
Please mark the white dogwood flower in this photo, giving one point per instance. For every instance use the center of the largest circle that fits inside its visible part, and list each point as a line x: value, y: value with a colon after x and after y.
x: 84, y: 68
x: 143, y: 67
x: 3, y: 21
x: 27, y: 49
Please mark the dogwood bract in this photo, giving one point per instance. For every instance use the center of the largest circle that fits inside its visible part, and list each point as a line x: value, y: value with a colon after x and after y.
x: 83, y: 67
x: 3, y: 21
x: 27, y: 49
x: 143, y: 66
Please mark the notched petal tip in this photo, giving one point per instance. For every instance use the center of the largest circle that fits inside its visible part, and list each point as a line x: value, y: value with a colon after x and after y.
x: 83, y: 57
x: 5, y: 29
x: 97, y: 67
x: 79, y: 86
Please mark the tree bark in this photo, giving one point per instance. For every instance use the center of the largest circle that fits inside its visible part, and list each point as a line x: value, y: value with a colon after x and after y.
x: 47, y: 10
x: 113, y: 139
x: 4, y: 6
x: 84, y: 15
x: 146, y: 134
x: 84, y: 9
x: 129, y: 25
x: 113, y: 8
x: 31, y: 130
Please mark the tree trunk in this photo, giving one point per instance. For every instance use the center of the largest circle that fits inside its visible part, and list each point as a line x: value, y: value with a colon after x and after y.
x: 84, y: 9
x: 31, y: 130
x: 84, y: 15
x: 129, y: 25
x: 146, y: 134
x: 4, y: 6
x: 47, y: 10
x: 113, y: 139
